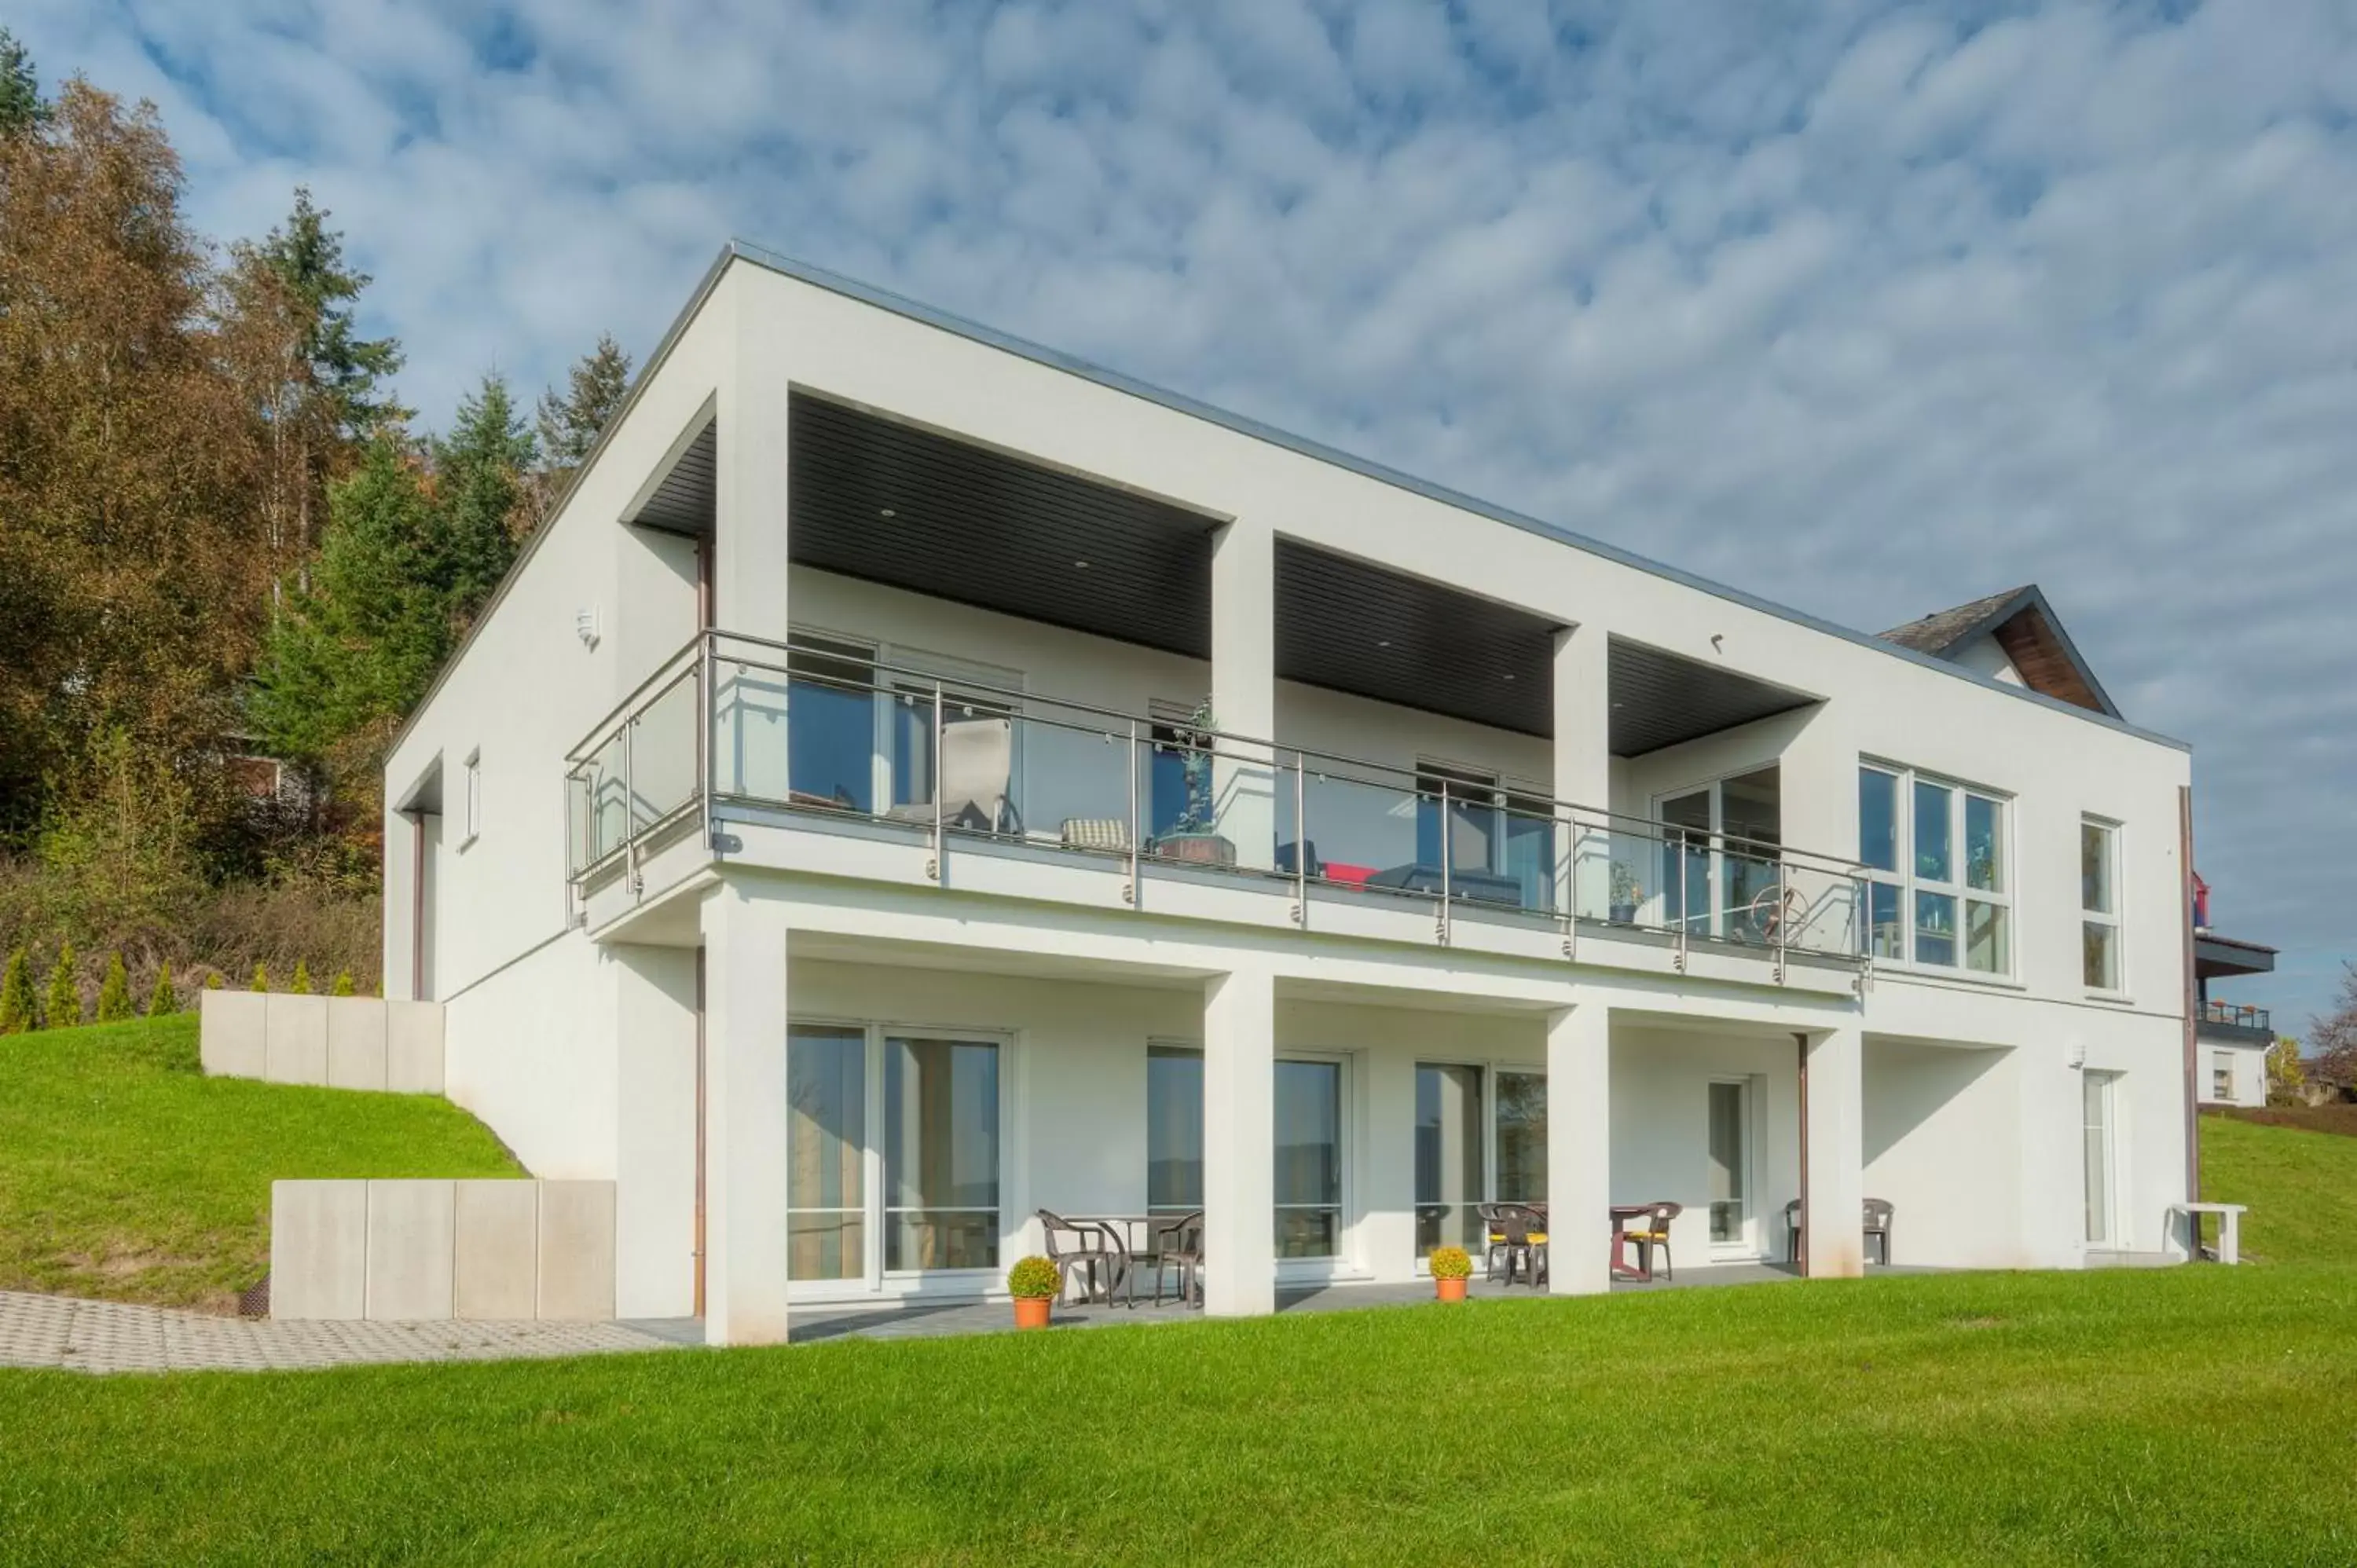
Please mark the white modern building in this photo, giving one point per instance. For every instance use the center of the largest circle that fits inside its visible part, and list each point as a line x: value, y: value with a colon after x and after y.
x: 916, y: 780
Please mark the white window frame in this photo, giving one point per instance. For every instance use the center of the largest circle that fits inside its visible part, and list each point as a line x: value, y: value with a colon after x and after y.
x: 1750, y: 1244
x: 470, y: 784
x: 2104, y: 1089
x: 1713, y: 920
x: 1955, y: 889
x: 1344, y: 1261
x: 2222, y: 1076
x: 874, y: 1279
x: 2118, y: 837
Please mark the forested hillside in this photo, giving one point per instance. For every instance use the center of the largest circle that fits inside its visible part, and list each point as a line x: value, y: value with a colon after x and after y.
x: 230, y: 561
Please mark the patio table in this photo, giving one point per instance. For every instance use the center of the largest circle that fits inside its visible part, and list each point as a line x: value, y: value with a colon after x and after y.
x: 1621, y: 1214
x: 1132, y: 1234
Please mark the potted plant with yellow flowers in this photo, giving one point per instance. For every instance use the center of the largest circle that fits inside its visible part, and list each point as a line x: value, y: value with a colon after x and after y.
x: 1452, y: 1267
x: 1034, y: 1284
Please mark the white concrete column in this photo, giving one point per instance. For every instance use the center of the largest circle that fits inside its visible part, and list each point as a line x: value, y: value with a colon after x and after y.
x: 744, y: 1118
x: 1243, y: 688
x: 750, y: 568
x: 1583, y: 768
x: 1833, y: 1222
x: 1579, y: 1150
x: 1240, y: 1145
x: 655, y: 1151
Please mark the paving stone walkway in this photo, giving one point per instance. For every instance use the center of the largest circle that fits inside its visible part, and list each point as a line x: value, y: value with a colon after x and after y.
x: 52, y: 1331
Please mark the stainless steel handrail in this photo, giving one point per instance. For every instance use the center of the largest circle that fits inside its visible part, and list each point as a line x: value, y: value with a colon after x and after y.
x: 1562, y: 811
x: 711, y: 647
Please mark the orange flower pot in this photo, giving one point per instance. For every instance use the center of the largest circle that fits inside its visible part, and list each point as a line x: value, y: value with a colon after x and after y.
x: 1449, y: 1290
x: 1031, y: 1311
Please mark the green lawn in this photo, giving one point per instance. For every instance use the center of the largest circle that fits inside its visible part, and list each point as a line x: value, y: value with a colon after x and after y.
x: 2301, y: 1187
x: 126, y: 1174
x: 2131, y: 1416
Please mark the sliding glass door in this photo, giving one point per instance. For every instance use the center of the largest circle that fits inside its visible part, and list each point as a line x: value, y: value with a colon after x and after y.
x: 1174, y: 1129
x: 1310, y: 1155
x: 1449, y: 1158
x: 893, y: 1153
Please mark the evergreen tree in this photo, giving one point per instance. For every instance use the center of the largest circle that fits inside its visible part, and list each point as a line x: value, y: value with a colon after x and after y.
x: 343, y: 986
x: 16, y: 1004
x: 594, y: 386
x: 21, y: 108
x: 479, y: 478
x: 261, y: 978
x: 115, y: 994
x: 163, y: 1002
x: 338, y: 673
x: 302, y: 977
x: 316, y: 383
x: 62, y: 1006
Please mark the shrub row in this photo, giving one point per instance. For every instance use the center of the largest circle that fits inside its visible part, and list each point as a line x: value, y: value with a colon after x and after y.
x: 59, y: 1004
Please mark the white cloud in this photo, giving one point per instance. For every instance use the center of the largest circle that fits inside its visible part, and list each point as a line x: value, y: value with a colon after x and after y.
x: 1871, y: 310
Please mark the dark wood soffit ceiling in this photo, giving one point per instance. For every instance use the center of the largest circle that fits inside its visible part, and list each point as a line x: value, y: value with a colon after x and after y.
x: 1662, y: 699
x: 682, y: 502
x: 1352, y: 626
x: 982, y: 528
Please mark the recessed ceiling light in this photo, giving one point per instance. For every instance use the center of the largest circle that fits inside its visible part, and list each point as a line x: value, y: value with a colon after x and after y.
x: 886, y: 511
x: 1080, y: 565
x: 1384, y: 643
x: 1510, y: 675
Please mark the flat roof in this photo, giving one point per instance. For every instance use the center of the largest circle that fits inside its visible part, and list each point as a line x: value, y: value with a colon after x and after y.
x: 1180, y: 403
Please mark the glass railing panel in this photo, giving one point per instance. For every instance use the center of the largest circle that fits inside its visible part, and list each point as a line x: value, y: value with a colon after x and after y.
x: 1825, y: 908
x: 1073, y: 779
x: 1360, y: 832
x: 748, y: 734
x: 604, y: 804
x: 663, y: 754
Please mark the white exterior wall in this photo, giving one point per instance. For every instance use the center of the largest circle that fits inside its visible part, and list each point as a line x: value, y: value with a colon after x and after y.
x: 2247, y: 1064
x: 571, y: 1049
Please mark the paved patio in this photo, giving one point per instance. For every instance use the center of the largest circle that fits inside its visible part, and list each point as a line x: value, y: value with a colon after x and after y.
x: 926, y: 1320
x: 62, y: 1332
x: 71, y: 1335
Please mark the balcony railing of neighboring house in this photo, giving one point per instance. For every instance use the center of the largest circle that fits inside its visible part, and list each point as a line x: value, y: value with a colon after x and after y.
x: 2230, y: 1017
x: 963, y: 763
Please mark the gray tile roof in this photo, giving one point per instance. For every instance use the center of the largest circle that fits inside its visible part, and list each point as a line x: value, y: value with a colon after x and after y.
x: 1942, y: 629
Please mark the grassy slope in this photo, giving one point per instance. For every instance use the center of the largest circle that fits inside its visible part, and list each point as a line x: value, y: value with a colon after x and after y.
x: 2301, y: 1187
x: 1946, y: 1419
x: 126, y: 1174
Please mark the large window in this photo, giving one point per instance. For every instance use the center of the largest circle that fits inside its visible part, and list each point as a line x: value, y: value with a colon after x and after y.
x: 940, y: 1154
x: 1449, y: 1162
x: 831, y: 696
x: 827, y: 1137
x: 1174, y: 1129
x: 892, y: 1153
x: 1937, y: 855
x: 1722, y: 870
x: 1522, y: 1122
x: 2099, y: 904
x: 1308, y: 1159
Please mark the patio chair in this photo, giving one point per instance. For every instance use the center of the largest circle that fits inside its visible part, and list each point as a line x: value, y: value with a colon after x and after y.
x: 1878, y: 1217
x: 1178, y: 1243
x: 1655, y: 1233
x: 1093, y: 1249
x: 1518, y: 1235
x: 1877, y: 1226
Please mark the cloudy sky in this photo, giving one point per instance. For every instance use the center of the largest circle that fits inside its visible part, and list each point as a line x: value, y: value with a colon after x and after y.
x: 1869, y: 309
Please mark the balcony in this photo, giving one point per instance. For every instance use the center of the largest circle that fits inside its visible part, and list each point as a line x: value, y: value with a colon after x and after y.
x: 963, y: 768
x: 2228, y: 1021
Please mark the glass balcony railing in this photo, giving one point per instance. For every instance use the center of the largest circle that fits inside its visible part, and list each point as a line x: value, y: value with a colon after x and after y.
x: 963, y: 761
x: 2231, y: 1015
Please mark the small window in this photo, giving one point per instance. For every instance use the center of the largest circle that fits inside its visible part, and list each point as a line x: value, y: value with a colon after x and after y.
x: 474, y: 784
x: 2222, y: 1075
x: 2099, y: 904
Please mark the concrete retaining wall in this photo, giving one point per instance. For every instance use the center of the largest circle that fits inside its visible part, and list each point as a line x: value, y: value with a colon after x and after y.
x: 420, y: 1250
x: 340, y: 1042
